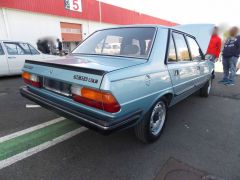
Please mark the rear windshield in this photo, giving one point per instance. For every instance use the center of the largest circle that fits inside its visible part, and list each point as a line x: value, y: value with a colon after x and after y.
x: 127, y: 42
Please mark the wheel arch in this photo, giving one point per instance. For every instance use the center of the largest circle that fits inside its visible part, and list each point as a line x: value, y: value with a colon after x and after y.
x: 167, y: 96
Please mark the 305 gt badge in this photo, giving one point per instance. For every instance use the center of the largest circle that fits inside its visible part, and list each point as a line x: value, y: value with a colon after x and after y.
x: 84, y: 78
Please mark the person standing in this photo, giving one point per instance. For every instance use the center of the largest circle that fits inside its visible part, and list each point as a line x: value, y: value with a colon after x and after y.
x: 214, y: 47
x: 59, y: 46
x: 39, y: 46
x: 45, y: 46
x: 230, y: 53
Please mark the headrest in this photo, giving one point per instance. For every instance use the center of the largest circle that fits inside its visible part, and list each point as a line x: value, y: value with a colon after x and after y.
x: 130, y: 50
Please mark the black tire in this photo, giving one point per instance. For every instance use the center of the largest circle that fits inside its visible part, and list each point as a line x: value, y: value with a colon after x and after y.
x: 213, y: 75
x: 143, y: 131
x: 205, y: 90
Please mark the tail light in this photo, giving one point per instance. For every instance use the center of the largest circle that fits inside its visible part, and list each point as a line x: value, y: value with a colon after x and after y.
x: 95, y: 98
x: 31, y: 79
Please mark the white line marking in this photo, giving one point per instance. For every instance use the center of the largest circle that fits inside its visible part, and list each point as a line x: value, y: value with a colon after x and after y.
x: 39, y: 148
x: 32, y: 106
x: 3, y: 94
x: 31, y: 129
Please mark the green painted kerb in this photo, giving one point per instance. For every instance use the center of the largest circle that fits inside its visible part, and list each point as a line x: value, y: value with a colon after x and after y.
x: 24, y: 142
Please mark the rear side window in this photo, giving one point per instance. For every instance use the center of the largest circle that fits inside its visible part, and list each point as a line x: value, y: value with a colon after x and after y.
x: 172, y: 56
x: 1, y: 50
x: 194, y: 48
x: 182, y: 48
x: 33, y: 50
x: 25, y: 48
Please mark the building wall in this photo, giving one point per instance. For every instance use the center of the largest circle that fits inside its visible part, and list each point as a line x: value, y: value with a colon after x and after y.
x: 3, y: 27
x: 90, y: 11
x: 29, y: 26
x: 30, y: 20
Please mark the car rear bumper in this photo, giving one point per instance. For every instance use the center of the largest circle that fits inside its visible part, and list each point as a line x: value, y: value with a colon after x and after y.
x: 100, y: 123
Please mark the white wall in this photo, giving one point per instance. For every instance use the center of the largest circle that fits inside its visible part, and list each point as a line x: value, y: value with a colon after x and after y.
x: 3, y: 26
x: 29, y: 27
x: 93, y: 26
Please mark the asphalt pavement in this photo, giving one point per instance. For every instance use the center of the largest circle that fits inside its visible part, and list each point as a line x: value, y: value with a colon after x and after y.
x: 14, y: 115
x: 201, y: 133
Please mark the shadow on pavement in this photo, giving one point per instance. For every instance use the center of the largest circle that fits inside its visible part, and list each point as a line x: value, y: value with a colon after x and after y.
x: 221, y: 90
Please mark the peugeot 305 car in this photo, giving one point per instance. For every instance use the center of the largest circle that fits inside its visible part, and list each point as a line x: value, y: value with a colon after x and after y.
x: 154, y: 68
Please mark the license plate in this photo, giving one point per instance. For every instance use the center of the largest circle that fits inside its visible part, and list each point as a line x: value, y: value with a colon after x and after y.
x: 57, y: 86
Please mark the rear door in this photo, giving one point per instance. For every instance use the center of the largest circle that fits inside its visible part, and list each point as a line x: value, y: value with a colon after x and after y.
x: 182, y: 69
x: 3, y: 62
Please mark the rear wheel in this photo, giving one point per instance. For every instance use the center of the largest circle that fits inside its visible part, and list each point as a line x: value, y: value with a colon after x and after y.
x: 149, y: 129
x: 206, y: 89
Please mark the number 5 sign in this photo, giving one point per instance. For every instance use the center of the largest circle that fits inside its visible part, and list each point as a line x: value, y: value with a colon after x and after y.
x: 73, y: 5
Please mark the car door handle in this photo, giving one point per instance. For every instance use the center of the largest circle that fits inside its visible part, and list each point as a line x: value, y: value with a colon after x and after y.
x: 176, y: 73
x: 12, y: 57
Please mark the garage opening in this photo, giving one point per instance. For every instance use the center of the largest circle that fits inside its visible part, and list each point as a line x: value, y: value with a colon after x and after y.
x: 71, y: 35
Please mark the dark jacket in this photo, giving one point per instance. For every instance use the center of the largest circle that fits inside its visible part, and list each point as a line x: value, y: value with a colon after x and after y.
x: 59, y: 45
x: 232, y: 47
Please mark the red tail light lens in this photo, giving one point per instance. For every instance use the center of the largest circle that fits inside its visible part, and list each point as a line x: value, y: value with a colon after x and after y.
x: 95, y: 98
x: 31, y: 79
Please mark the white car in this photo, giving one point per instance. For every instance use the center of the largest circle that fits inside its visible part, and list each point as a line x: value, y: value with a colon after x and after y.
x: 13, y: 55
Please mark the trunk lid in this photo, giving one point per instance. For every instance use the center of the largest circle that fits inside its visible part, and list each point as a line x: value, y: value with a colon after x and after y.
x: 83, y: 70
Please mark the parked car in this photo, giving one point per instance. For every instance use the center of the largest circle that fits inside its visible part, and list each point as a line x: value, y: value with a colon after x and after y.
x: 155, y: 68
x: 113, y: 48
x: 13, y: 55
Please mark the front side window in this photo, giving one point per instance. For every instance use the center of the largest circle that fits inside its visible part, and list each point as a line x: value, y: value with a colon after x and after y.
x: 172, y: 57
x: 182, y: 48
x: 1, y: 50
x: 127, y: 42
x: 194, y: 48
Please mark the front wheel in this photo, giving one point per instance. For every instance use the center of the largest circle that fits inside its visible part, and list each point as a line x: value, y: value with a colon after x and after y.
x: 206, y: 89
x: 149, y: 129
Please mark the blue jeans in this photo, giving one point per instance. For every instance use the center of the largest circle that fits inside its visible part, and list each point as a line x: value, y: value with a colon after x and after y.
x: 229, y: 68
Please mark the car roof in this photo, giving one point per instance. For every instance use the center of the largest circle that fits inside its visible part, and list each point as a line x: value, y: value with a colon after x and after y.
x: 147, y: 25
x: 137, y: 25
x: 14, y: 41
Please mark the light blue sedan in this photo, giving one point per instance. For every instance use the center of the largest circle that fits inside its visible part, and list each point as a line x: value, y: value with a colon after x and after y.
x: 124, y: 77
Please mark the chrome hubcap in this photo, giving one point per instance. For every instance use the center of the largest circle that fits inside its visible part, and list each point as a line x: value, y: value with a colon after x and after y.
x: 157, y: 118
